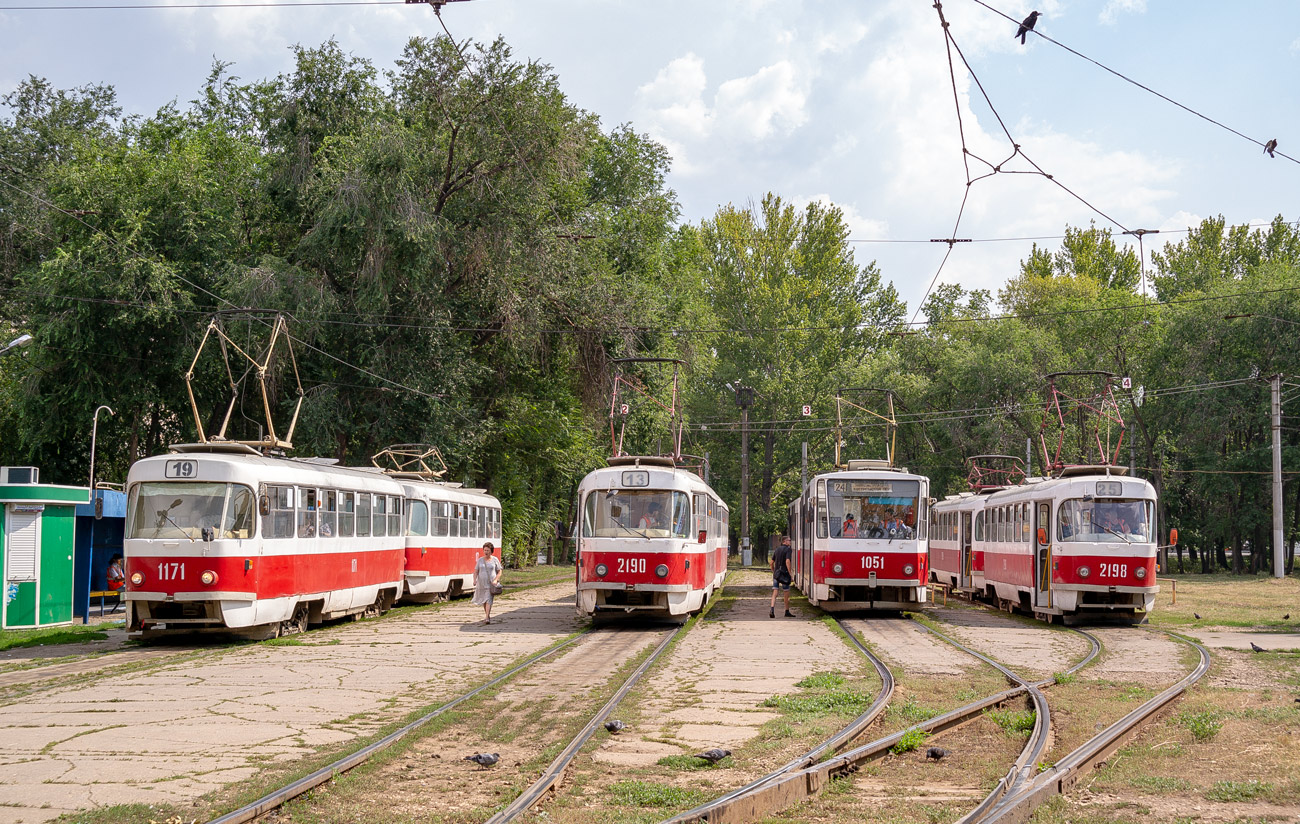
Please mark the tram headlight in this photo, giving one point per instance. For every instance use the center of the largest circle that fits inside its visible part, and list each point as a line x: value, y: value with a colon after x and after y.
x: 662, y: 570
x: 908, y: 569
x: 601, y: 570
x: 1084, y: 572
x: 137, y: 578
x: 1140, y: 572
x: 208, y: 577
x: 837, y: 568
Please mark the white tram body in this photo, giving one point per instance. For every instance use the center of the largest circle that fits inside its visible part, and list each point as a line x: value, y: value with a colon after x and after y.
x: 860, y: 538
x: 652, y: 540
x: 446, y: 527
x: 1077, y: 546
x: 954, y: 559
x: 222, y: 539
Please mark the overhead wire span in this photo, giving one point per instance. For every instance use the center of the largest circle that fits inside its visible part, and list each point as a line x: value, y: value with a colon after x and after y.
x: 1127, y: 79
x: 950, y: 45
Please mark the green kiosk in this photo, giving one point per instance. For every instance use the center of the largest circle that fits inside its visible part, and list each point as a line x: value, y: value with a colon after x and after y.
x: 37, y: 529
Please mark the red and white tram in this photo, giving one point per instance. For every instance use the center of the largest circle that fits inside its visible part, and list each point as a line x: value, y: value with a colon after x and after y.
x: 220, y: 538
x: 1078, y: 546
x: 446, y: 528
x: 954, y: 559
x: 653, y: 540
x: 860, y: 538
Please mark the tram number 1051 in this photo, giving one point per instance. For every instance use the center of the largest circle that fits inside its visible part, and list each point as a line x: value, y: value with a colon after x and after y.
x: 873, y: 562
x: 631, y: 564
x: 1107, y: 569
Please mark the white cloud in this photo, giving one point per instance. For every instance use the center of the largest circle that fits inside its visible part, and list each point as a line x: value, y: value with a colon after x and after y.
x: 767, y: 103
x: 1114, y: 8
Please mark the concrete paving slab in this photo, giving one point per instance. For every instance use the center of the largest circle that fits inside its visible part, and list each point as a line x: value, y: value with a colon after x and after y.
x: 174, y: 730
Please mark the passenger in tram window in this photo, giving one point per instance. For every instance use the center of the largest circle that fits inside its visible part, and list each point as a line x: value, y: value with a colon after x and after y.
x: 326, y: 531
x: 850, y: 527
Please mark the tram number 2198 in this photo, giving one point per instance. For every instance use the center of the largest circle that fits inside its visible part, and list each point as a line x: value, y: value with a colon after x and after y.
x: 1108, y: 569
x: 631, y: 564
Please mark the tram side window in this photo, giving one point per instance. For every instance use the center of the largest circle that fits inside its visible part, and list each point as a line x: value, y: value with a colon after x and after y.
x: 418, y: 512
x: 328, y: 513
x: 280, y: 521
x: 379, y: 523
x: 309, y: 500
x: 496, y: 524
x: 438, y: 518
x: 476, y: 520
x: 363, y: 514
x: 347, y: 514
x: 979, y: 526
x: 394, y: 515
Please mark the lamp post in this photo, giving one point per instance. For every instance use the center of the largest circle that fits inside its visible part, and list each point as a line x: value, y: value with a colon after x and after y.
x: 94, y: 431
x: 1142, y: 258
x: 744, y: 399
x: 21, y: 340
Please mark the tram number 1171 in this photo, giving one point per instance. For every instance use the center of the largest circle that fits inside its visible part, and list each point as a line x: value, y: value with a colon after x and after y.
x: 172, y: 571
x: 631, y: 564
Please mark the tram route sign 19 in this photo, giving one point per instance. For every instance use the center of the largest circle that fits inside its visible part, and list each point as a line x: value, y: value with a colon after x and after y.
x: 182, y: 470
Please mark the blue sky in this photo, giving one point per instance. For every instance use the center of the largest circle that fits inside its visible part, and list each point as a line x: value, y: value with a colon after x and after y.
x: 849, y: 103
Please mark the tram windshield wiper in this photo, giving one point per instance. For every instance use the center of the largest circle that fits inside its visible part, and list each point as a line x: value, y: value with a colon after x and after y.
x: 1116, y: 534
x: 163, y: 513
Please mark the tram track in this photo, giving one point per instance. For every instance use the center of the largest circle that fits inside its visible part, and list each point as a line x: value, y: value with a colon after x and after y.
x: 805, y: 777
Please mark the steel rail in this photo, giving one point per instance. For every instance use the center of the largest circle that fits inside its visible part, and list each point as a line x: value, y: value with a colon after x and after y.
x: 849, y: 732
x: 799, y: 784
x: 1070, y: 770
x: 551, y: 777
x: 278, y: 798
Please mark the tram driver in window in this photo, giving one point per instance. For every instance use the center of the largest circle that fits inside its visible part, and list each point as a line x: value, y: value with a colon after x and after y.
x: 653, y: 517
x: 850, y: 526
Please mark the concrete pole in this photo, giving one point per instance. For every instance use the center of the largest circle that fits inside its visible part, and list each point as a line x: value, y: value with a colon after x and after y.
x: 744, y: 476
x: 1278, y: 562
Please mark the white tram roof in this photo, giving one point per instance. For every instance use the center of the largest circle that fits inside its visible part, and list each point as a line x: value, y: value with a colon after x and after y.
x: 874, y: 474
x: 663, y: 474
x: 1074, y: 486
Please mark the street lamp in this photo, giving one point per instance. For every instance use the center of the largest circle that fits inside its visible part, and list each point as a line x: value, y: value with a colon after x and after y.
x: 94, y: 431
x: 21, y: 340
x: 1142, y: 258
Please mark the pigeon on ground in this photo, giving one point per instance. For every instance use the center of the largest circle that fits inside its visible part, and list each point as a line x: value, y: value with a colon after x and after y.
x: 1286, y: 617
x: 1256, y: 647
x: 935, y: 753
x: 1026, y: 26
x: 714, y: 755
x: 1270, y: 147
x: 1197, y: 615
x: 615, y: 726
x: 484, y: 759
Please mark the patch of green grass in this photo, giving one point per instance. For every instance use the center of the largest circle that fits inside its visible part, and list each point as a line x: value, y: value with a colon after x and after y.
x: 689, y: 763
x: 51, y: 636
x: 1013, y: 722
x: 823, y: 681
x: 910, y: 741
x: 650, y: 794
x: 816, y: 704
x: 911, y: 711
x: 1160, y: 784
x: 1064, y: 677
x: 1237, y: 790
x: 289, y: 641
x: 1203, y: 725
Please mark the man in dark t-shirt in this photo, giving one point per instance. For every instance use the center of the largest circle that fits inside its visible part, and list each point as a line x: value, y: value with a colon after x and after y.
x: 782, y: 575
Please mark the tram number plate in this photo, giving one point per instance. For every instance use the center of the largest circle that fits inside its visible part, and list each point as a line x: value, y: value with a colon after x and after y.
x: 631, y: 564
x: 873, y: 562
x: 181, y: 469
x: 1110, y: 570
x: 171, y: 571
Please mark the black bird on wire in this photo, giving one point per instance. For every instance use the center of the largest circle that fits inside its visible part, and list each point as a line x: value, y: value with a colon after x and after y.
x: 714, y: 755
x: 936, y: 753
x: 1270, y: 146
x: 615, y: 726
x: 484, y: 759
x: 1027, y: 25
x: 1256, y: 647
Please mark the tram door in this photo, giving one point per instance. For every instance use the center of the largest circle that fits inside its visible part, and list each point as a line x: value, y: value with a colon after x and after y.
x: 1042, y: 555
x: 966, y: 555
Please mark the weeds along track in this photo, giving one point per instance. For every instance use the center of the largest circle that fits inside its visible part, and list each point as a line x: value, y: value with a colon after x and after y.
x: 276, y: 799
x: 804, y: 778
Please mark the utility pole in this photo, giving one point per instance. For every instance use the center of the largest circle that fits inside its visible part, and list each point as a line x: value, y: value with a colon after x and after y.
x: 1278, y: 563
x: 744, y: 399
x: 1139, y: 233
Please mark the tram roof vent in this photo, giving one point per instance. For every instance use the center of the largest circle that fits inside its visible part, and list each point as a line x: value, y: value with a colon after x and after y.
x: 216, y: 447
x: 643, y: 460
x: 879, y: 465
x: 1086, y: 469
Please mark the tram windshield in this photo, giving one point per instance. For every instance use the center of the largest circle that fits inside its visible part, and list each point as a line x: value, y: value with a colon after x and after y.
x: 645, y: 513
x: 872, y: 508
x: 1105, y: 519
x: 182, y: 510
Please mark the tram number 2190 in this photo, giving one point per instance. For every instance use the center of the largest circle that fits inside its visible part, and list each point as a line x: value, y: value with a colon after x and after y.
x: 631, y: 564
x: 1107, y: 569
x: 873, y: 562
